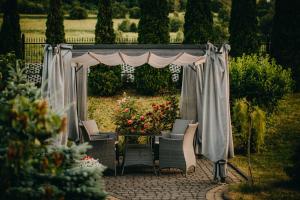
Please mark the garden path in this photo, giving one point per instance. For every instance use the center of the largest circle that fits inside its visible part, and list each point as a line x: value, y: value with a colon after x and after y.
x: 141, y: 183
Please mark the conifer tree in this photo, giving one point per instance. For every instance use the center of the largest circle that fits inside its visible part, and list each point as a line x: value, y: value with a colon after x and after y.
x: 10, y: 34
x: 153, y: 29
x: 285, y: 38
x: 243, y: 27
x: 154, y: 22
x: 198, y: 26
x: 104, y: 33
x: 55, y: 33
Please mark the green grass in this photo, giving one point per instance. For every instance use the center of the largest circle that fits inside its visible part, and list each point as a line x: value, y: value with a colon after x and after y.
x: 271, y: 180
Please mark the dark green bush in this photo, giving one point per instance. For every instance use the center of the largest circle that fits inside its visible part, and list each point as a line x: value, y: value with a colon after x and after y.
x: 260, y: 80
x: 30, y: 7
x: 124, y: 26
x: 104, y: 80
x: 78, y: 12
x: 133, y: 27
x: 150, y: 81
x: 119, y: 10
x: 135, y: 13
x: 175, y: 24
x: 6, y: 62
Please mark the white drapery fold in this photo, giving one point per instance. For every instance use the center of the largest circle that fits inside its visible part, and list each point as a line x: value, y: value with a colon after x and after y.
x: 118, y: 58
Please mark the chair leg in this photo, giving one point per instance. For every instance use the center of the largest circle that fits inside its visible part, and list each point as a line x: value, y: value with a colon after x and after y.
x: 122, y: 170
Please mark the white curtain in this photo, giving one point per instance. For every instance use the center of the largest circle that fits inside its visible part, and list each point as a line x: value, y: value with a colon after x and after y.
x: 48, y: 56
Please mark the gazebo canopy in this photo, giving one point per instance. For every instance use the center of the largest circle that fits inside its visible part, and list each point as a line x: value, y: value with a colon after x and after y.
x: 135, y: 55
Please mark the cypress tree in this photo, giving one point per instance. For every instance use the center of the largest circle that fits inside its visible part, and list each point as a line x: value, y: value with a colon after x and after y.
x: 285, y: 38
x: 154, y: 22
x: 10, y: 33
x: 243, y: 27
x: 55, y: 33
x: 104, y: 80
x: 198, y: 26
x: 154, y: 29
x: 104, y: 32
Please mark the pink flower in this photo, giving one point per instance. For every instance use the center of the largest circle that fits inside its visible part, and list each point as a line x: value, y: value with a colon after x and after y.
x: 129, y: 122
x: 145, y: 126
x: 142, y: 118
x: 126, y: 110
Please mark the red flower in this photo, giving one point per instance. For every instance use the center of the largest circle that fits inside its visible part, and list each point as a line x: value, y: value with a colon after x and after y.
x: 142, y: 118
x: 145, y: 126
x: 129, y: 122
x: 126, y: 110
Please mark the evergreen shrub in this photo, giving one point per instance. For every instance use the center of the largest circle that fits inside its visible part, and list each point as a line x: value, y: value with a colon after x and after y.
x: 175, y: 24
x: 78, y: 12
x: 124, y: 26
x: 151, y: 81
x: 260, y: 80
x: 32, y: 166
x: 104, y: 80
x: 133, y: 27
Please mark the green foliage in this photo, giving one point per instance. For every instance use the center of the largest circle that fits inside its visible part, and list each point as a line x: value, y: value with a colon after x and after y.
x: 10, y: 32
x: 78, y: 12
x: 265, y: 12
x: 124, y: 26
x: 154, y: 22
x: 31, y: 165
x: 133, y: 27
x: 260, y: 80
x: 285, y: 38
x: 6, y: 62
x: 150, y: 81
x: 175, y: 25
x: 55, y: 33
x: 247, y: 118
x: 30, y: 7
x: 243, y: 28
x: 198, y: 26
x: 104, y: 80
x: 135, y: 13
x: 104, y: 32
x: 119, y: 10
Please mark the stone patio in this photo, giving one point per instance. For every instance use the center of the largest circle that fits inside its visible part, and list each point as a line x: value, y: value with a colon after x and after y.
x: 141, y: 183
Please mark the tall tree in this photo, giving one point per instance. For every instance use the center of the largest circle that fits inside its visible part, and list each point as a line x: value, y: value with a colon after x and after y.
x: 154, y: 22
x: 243, y: 27
x: 153, y: 29
x: 198, y: 26
x: 10, y: 33
x: 104, y: 32
x: 55, y: 33
x: 285, y: 39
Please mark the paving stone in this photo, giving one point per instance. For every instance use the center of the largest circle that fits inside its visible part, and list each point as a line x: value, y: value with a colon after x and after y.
x: 143, y: 184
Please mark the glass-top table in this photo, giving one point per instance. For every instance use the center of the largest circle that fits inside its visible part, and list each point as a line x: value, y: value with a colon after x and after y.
x: 138, y: 154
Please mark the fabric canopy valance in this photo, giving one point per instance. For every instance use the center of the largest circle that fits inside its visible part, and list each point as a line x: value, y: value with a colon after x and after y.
x: 118, y: 58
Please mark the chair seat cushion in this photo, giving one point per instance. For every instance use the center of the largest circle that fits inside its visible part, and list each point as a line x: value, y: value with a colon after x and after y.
x: 180, y: 126
x: 177, y: 136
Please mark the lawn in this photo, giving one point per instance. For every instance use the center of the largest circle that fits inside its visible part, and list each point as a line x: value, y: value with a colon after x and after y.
x: 270, y: 178
x: 35, y: 26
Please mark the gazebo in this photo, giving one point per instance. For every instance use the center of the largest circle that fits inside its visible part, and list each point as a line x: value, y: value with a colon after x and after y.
x: 204, y: 94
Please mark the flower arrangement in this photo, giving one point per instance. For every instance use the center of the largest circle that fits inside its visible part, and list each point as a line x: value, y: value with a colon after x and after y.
x: 161, y: 117
x: 128, y: 119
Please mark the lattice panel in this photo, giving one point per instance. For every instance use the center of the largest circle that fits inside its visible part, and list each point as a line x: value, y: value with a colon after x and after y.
x: 175, y: 70
x: 127, y: 73
x: 34, y: 72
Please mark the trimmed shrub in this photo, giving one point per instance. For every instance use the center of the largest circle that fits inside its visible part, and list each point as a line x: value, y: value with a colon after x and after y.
x: 78, y: 12
x: 260, y: 80
x: 124, y: 26
x: 55, y: 33
x: 150, y: 81
x: 10, y: 32
x: 133, y: 27
x: 135, y: 13
x: 104, y: 80
x: 248, y: 118
x: 175, y: 25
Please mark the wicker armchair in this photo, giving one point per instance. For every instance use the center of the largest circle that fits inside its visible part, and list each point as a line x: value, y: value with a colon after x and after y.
x: 103, y: 144
x: 178, y: 153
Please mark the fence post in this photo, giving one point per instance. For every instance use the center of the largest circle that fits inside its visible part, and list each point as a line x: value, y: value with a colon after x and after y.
x: 23, y: 46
